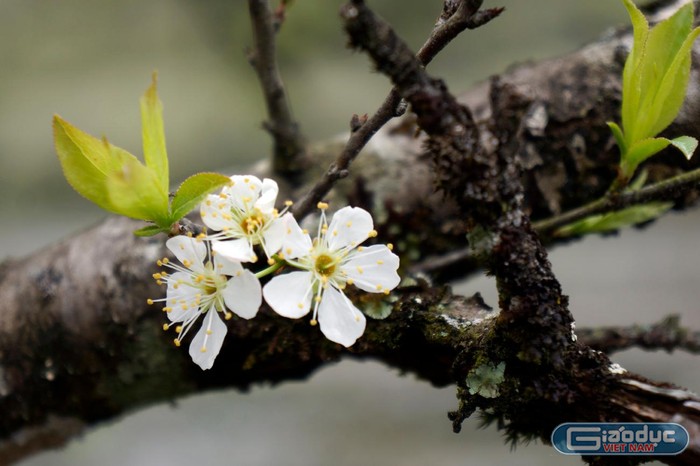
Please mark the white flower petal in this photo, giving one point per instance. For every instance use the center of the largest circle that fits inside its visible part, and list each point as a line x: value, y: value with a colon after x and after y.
x: 339, y: 319
x: 207, y: 343
x: 273, y: 236
x: 180, y: 297
x: 289, y: 295
x: 243, y: 192
x: 373, y: 269
x: 235, y: 250
x: 295, y: 243
x: 350, y: 226
x: 225, y: 266
x: 268, y: 196
x: 212, y: 211
x: 190, y: 251
x: 243, y: 295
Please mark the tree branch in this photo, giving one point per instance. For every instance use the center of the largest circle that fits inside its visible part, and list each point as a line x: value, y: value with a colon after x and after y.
x: 672, y: 188
x: 457, y: 16
x: 666, y: 334
x: 289, y: 144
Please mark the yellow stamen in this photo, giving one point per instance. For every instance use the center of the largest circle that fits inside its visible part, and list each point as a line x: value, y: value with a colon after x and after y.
x: 177, y: 342
x: 271, y: 261
x: 149, y: 301
x: 288, y: 203
x: 372, y: 233
x: 390, y: 246
x: 322, y: 205
x: 313, y: 322
x: 166, y: 326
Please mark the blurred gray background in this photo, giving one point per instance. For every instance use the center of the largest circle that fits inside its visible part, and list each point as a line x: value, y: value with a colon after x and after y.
x: 90, y: 61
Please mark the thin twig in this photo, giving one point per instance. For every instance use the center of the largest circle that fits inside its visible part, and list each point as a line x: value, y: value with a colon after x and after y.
x: 289, y: 144
x: 666, y: 334
x: 668, y: 189
x: 451, y: 23
x: 663, y: 190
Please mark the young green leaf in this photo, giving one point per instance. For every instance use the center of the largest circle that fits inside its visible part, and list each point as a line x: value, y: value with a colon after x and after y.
x: 192, y: 191
x: 685, y: 144
x: 618, y: 135
x: 639, y: 152
x: 642, y: 150
x: 85, y: 162
x: 135, y: 191
x: 153, y: 135
x: 672, y: 88
x: 631, y: 82
x: 615, y: 220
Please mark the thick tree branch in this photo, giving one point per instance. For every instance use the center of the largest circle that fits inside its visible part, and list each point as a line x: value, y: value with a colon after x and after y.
x: 289, y: 144
x: 79, y: 344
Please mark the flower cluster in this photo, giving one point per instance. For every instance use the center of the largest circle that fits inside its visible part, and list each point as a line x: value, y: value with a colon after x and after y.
x: 241, y: 219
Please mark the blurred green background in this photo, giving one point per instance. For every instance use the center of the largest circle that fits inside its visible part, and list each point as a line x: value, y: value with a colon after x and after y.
x: 90, y: 61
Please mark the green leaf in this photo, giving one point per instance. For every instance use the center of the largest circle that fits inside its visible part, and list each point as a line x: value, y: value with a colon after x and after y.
x: 192, y: 191
x: 670, y: 95
x: 85, y: 161
x: 153, y: 135
x: 631, y: 82
x: 639, y: 152
x: 618, y: 135
x: 135, y: 191
x: 150, y: 230
x: 685, y: 144
x: 615, y: 220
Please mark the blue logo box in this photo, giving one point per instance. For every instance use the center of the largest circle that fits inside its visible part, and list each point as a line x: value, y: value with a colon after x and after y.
x: 621, y: 438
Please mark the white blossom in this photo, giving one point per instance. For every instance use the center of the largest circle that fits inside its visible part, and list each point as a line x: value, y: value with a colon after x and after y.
x: 244, y: 214
x: 333, y: 260
x: 201, y: 286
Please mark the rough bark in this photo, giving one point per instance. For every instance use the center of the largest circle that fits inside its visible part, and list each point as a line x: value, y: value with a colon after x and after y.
x: 79, y: 345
